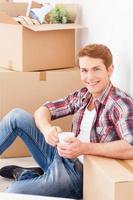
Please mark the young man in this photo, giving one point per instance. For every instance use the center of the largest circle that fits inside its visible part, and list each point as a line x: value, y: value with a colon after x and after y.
x: 102, y: 123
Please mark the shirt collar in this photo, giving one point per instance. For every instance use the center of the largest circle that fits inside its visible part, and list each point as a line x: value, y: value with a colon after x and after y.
x: 104, y: 96
x: 101, y: 99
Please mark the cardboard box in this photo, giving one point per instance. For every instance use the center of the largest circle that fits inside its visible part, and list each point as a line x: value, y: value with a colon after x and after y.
x: 15, y: 9
x: 107, y: 179
x: 5, y: 1
x: 29, y: 90
x: 34, y: 47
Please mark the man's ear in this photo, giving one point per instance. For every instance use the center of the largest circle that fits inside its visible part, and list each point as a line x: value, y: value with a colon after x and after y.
x: 110, y: 69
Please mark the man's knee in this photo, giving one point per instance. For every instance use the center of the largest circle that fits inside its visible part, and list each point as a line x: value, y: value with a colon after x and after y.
x: 16, y: 111
x: 18, y: 115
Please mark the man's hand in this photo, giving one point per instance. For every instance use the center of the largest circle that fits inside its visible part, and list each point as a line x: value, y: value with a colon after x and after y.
x: 73, y: 149
x: 51, y: 135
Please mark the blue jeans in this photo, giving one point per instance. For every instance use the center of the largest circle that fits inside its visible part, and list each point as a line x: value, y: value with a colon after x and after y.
x: 61, y: 178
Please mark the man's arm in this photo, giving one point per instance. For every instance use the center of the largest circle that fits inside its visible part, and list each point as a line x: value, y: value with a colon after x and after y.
x: 42, y: 118
x: 119, y: 149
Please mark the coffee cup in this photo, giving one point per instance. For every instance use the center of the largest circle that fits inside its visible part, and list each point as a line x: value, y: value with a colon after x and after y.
x: 65, y: 135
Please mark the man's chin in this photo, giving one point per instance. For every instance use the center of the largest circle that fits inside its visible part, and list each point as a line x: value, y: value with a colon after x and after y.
x: 93, y: 92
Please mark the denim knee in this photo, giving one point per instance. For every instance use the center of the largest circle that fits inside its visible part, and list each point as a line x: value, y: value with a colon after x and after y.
x: 18, y: 116
x: 16, y: 112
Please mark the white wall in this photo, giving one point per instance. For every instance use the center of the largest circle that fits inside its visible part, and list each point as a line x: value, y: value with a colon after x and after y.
x: 109, y: 22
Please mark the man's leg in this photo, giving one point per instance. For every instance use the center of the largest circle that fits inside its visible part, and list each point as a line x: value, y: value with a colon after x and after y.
x: 21, y: 123
x: 62, y: 179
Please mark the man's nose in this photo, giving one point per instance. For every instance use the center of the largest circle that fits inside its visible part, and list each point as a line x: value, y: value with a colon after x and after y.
x: 90, y: 76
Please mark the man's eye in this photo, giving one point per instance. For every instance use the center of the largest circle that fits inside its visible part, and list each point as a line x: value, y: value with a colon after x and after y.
x: 96, y: 69
x: 84, y: 70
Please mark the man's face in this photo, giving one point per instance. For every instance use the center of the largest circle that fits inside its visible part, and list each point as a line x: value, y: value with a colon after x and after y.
x: 94, y: 74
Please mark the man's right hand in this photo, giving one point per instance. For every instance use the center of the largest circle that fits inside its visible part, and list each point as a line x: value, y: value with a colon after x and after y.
x: 51, y: 135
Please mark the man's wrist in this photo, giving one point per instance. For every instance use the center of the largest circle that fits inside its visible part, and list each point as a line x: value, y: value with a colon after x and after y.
x: 46, y: 128
x: 90, y: 148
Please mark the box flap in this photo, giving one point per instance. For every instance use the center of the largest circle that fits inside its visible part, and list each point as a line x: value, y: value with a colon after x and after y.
x: 16, y: 9
x: 13, y: 9
x: 50, y: 27
x: 115, y: 171
x: 4, y: 18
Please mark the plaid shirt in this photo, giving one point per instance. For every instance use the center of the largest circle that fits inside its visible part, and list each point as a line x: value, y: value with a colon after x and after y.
x: 114, y: 113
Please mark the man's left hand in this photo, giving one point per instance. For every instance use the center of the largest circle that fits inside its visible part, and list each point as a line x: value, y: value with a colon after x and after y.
x: 72, y: 149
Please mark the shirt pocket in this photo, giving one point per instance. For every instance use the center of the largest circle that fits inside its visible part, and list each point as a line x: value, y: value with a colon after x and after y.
x: 102, y: 131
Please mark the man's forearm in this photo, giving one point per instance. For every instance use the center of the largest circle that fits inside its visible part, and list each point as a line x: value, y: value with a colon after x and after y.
x: 42, y: 118
x: 117, y: 149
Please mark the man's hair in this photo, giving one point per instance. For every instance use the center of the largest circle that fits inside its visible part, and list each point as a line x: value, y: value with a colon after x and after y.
x: 97, y: 51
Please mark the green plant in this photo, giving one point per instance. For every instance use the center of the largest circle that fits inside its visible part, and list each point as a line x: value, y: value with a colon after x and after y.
x: 59, y: 15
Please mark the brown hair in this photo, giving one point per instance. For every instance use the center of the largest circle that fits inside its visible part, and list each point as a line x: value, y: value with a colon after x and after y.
x: 97, y: 51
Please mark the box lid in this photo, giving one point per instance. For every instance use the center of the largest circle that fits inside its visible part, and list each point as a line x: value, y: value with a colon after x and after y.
x: 16, y: 9
x: 13, y: 9
x: 50, y: 27
x: 4, y: 18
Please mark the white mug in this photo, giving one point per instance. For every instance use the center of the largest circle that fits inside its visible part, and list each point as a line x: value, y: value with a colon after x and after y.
x: 65, y: 135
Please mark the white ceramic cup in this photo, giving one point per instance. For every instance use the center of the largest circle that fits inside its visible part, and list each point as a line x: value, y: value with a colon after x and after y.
x: 65, y: 135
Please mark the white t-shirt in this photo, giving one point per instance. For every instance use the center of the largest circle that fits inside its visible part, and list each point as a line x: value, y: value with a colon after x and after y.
x: 85, y: 127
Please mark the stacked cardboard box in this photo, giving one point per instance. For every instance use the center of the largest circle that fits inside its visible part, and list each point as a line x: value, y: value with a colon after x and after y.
x: 34, y: 47
x: 108, y: 179
x: 4, y: 1
x: 28, y: 49
x: 29, y: 90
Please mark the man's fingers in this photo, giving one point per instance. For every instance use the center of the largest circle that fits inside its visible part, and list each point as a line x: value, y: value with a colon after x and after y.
x: 52, y: 142
x: 52, y: 135
x: 69, y: 139
x: 58, y: 129
x: 54, y: 138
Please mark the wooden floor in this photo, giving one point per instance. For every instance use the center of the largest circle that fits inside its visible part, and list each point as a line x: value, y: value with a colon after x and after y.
x: 27, y: 162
